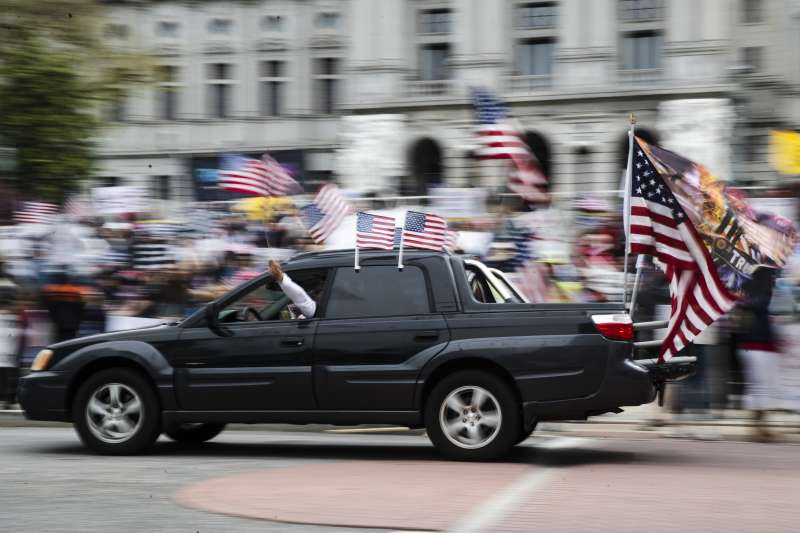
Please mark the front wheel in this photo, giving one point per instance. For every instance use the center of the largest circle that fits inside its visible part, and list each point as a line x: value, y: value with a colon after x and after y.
x: 191, y: 433
x: 472, y: 415
x: 116, y: 412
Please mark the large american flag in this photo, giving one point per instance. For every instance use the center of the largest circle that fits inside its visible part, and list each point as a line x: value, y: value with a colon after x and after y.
x: 499, y: 139
x: 257, y: 177
x: 423, y: 230
x: 325, y: 213
x: 36, y: 213
x: 374, y: 231
x: 660, y: 227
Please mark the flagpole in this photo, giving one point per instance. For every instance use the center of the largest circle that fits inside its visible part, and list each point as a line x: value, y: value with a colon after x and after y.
x: 626, y: 213
x: 357, y: 267
x: 400, y: 254
x: 639, y: 265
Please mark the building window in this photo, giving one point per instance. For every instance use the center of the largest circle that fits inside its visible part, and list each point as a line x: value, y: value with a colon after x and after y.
x: 165, y: 28
x: 272, y: 23
x: 641, y: 50
x: 219, y: 81
x: 168, y: 90
x: 118, y: 109
x: 536, y: 15
x: 752, y: 57
x: 327, y: 78
x: 220, y: 26
x: 752, y: 11
x: 535, y: 57
x: 434, y: 60
x: 434, y: 21
x: 633, y: 10
x: 271, y: 83
x: 160, y: 187
x: 328, y: 21
x: 117, y: 31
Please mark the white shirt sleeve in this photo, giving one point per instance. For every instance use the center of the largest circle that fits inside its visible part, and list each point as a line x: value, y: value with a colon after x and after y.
x: 298, y: 296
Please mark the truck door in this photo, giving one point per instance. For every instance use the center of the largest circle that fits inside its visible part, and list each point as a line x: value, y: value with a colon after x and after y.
x: 378, y: 329
x: 265, y: 363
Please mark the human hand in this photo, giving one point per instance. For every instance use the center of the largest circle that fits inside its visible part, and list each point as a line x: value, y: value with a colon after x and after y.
x: 275, y: 270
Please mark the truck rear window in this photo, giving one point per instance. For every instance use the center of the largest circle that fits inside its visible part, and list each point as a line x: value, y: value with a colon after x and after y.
x: 378, y: 291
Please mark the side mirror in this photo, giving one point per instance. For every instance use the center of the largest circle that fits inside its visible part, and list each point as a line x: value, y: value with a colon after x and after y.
x: 212, y: 321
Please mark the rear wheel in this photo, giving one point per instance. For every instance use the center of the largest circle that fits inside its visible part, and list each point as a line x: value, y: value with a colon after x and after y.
x: 116, y: 412
x: 472, y: 415
x: 193, y: 433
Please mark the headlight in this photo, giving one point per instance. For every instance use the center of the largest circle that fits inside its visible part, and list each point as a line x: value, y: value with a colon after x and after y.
x: 42, y: 360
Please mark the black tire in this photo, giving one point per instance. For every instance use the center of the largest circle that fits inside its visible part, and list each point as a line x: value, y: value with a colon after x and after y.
x: 504, y: 437
x: 193, y: 433
x: 524, y: 434
x: 144, y: 433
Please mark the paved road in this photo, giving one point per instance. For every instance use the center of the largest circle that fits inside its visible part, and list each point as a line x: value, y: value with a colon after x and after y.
x: 48, y: 483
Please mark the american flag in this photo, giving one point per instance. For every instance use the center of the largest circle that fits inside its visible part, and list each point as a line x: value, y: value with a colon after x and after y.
x: 423, y: 230
x: 398, y: 236
x: 450, y: 241
x: 660, y: 227
x: 257, y: 177
x: 36, y: 213
x: 529, y: 275
x: 374, y: 231
x: 499, y: 139
x: 325, y: 213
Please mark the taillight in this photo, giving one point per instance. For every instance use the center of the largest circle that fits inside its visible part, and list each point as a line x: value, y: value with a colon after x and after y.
x: 614, y: 327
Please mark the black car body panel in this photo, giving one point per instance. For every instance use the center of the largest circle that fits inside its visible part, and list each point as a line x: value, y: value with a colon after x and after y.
x: 375, y: 368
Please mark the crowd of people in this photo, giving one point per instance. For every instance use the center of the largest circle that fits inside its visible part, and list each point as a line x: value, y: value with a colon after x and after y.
x: 88, y: 274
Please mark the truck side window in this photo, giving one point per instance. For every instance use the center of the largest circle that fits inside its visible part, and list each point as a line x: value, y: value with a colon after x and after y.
x: 481, y: 290
x: 378, y: 291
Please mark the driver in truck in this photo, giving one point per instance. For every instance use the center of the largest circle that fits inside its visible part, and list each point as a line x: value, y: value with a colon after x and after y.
x: 302, y: 301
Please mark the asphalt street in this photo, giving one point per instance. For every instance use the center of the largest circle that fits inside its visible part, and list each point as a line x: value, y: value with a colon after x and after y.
x: 48, y: 482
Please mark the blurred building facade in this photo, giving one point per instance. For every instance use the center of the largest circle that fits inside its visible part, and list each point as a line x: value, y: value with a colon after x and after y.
x: 276, y: 75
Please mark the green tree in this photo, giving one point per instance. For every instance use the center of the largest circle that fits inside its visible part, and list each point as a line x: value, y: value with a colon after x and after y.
x: 56, y: 73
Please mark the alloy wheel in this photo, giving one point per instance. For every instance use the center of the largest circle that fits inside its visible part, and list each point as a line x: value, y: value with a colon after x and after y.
x: 114, y: 413
x: 470, y: 417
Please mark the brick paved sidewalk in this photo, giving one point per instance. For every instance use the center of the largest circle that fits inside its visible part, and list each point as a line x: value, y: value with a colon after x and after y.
x: 552, y: 484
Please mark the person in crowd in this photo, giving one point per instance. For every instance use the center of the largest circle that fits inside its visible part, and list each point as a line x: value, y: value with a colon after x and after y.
x: 9, y: 344
x: 758, y: 350
x: 65, y: 302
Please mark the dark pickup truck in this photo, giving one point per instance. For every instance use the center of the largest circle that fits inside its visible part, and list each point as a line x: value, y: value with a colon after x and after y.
x: 445, y: 344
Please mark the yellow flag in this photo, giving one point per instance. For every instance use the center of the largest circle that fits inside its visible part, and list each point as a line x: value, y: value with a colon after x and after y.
x: 785, y: 148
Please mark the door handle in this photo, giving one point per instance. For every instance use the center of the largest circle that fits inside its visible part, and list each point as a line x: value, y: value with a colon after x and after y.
x: 194, y: 363
x: 292, y: 341
x: 426, y: 335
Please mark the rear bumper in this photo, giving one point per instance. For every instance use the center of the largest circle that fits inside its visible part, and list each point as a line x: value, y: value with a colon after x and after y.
x: 43, y: 396
x: 625, y: 383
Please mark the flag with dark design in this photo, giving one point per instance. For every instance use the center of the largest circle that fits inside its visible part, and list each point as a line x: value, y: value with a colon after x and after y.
x: 256, y: 177
x: 374, y: 231
x: 424, y: 230
x: 325, y: 213
x: 707, y: 246
x: 499, y: 139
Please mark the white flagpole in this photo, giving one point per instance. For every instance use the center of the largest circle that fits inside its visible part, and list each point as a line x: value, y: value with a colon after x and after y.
x: 402, y: 238
x: 626, y: 212
x: 356, y: 266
